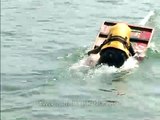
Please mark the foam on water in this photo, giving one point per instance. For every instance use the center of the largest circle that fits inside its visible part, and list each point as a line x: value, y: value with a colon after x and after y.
x: 131, y: 63
x: 154, y: 47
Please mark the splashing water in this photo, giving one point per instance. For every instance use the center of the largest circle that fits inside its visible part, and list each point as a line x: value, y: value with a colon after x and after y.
x: 154, y: 47
x: 81, y: 66
x: 130, y: 64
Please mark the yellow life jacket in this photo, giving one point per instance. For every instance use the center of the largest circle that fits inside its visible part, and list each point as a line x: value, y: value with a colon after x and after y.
x: 119, y: 38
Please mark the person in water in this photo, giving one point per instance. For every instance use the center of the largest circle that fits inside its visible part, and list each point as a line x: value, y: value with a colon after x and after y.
x: 116, y: 49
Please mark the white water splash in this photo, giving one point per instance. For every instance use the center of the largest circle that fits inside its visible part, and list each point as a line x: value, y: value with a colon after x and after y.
x: 81, y: 65
x: 153, y: 46
x: 131, y: 63
x: 106, y: 69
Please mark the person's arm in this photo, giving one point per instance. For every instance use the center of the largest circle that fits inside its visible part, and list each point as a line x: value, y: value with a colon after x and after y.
x: 94, y: 51
x: 97, y: 48
x: 131, y: 50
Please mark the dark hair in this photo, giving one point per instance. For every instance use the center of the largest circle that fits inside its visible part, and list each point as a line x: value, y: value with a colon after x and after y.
x: 112, y: 57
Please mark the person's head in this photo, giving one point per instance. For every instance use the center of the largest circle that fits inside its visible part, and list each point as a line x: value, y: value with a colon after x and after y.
x: 112, y: 57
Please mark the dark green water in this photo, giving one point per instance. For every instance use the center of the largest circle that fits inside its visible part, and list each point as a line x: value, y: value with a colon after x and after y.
x: 41, y: 41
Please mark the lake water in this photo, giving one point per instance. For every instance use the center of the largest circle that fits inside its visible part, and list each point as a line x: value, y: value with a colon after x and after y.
x: 42, y: 45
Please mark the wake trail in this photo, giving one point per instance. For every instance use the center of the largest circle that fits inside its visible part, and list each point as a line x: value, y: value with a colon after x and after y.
x: 146, y: 18
x: 143, y: 22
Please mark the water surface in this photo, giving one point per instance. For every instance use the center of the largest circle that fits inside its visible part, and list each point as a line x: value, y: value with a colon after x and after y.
x: 42, y: 40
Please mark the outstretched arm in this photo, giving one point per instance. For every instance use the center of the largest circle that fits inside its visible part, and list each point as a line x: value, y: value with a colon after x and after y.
x: 131, y: 50
x: 97, y: 48
x: 94, y: 51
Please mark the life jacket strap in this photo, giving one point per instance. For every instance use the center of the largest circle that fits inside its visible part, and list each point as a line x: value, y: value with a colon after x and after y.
x: 117, y: 38
x: 110, y: 39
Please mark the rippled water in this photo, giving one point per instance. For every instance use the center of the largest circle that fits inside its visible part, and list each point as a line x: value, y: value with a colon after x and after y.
x: 41, y: 41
